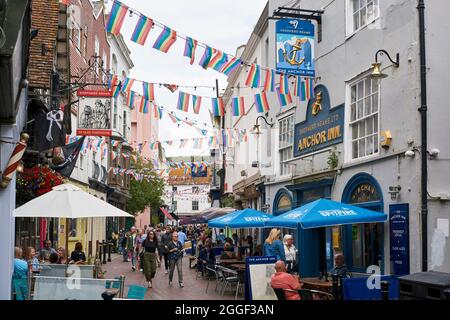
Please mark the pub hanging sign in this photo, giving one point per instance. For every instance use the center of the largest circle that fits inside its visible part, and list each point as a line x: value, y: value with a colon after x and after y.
x: 94, y: 113
x: 323, y: 126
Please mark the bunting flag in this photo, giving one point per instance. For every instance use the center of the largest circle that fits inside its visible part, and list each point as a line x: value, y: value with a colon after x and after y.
x: 284, y: 83
x: 116, y: 18
x: 198, y: 143
x: 117, y: 89
x: 142, y: 30
x: 218, y: 107
x: 113, y: 82
x: 165, y: 40
x: 128, y: 83
x: 253, y: 78
x: 143, y: 107
x: 158, y: 112
x: 306, y: 88
x: 230, y: 66
x: 262, y: 105
x: 189, y: 49
x: 171, y: 87
x: 269, y: 82
x: 204, y: 61
x: 148, y: 91
x: 65, y: 2
x: 218, y: 61
x: 172, y: 117
x: 183, y: 143
x: 183, y: 101
x: 284, y: 99
x: 238, y: 107
x: 131, y: 99
x: 197, y: 101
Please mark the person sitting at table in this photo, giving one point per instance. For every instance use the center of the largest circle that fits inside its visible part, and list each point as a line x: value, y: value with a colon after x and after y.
x: 340, y: 268
x: 273, y: 245
x: 227, y: 252
x: 206, y: 257
x: 283, y: 280
x: 78, y: 256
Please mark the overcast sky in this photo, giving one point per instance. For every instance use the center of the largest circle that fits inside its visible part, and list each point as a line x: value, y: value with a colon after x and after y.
x: 222, y: 24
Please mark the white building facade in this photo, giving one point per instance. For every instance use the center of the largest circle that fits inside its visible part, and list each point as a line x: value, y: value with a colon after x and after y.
x: 375, y: 131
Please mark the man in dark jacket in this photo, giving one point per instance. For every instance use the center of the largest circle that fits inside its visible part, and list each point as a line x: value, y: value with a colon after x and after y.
x: 166, y: 237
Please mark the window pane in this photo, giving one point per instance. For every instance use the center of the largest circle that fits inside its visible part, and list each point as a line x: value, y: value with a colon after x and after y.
x: 370, y: 11
x: 362, y: 129
x: 353, y: 111
x: 360, y: 110
x: 374, y: 85
x: 362, y: 4
x: 375, y: 102
x: 367, y: 106
x: 375, y: 123
x: 353, y: 94
x: 355, y: 5
x: 362, y: 147
x: 369, y: 126
x: 355, y: 131
x: 369, y: 145
x: 367, y: 86
x: 376, y: 11
x: 356, y: 21
x: 375, y: 143
x: 355, y: 149
x: 363, y: 16
x: 360, y: 90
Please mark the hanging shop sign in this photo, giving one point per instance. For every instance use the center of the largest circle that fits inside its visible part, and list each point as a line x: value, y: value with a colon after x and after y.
x: 399, y: 238
x: 94, y: 113
x: 295, y: 47
x: 323, y: 126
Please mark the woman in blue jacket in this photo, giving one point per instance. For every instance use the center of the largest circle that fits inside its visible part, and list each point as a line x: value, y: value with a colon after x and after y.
x: 273, y: 245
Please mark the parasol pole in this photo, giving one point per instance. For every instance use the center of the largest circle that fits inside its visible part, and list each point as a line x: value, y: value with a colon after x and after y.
x: 67, y: 243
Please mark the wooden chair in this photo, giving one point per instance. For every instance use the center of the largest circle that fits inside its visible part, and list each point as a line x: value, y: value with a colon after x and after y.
x: 305, y: 294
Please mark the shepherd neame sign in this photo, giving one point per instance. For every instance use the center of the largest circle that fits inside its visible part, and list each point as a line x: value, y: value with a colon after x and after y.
x: 323, y: 126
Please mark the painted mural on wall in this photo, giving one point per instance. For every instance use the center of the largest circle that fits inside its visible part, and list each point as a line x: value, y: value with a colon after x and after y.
x: 295, y: 47
x: 323, y: 126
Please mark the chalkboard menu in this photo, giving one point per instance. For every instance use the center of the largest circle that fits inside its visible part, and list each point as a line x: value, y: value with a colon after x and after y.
x: 399, y: 238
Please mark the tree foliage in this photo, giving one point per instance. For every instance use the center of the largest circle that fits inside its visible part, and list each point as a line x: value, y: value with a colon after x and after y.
x: 145, y: 193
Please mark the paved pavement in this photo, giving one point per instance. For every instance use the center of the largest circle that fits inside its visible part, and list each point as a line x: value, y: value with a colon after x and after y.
x: 194, y: 289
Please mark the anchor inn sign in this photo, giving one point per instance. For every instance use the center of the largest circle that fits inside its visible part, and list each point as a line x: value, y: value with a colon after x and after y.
x: 323, y: 126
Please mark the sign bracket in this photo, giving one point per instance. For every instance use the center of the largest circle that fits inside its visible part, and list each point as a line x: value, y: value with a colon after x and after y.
x: 316, y: 15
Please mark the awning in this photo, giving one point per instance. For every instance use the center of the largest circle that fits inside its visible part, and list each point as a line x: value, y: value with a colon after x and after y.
x: 325, y: 213
x: 247, y: 218
x: 167, y: 214
x: 206, y: 215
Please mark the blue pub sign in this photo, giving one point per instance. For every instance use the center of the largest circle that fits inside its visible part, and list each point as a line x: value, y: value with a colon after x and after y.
x: 399, y: 238
x: 295, y: 47
x: 323, y: 126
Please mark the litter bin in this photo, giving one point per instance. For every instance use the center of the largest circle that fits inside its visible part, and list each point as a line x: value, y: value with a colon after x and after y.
x: 424, y: 286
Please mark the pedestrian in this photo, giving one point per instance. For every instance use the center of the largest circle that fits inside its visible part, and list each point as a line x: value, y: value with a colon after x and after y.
x: 150, y: 246
x: 220, y: 237
x: 132, y: 241
x: 273, y: 245
x: 77, y: 256
x: 181, y: 236
x: 159, y: 234
x: 32, y: 259
x: 140, y: 249
x: 20, y: 276
x: 45, y: 252
x: 62, y: 256
x: 175, y: 253
x: 165, y: 239
x: 123, y: 245
x: 291, y: 253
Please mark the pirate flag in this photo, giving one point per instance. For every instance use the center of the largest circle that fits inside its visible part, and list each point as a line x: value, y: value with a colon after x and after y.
x: 50, y: 130
x: 65, y: 162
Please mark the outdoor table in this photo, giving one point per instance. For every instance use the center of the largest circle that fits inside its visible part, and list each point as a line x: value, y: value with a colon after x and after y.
x: 231, y: 261
x: 238, y: 266
x: 317, y: 284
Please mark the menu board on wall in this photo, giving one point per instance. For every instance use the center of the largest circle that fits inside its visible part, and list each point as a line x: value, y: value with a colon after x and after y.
x: 259, y: 273
x: 399, y: 238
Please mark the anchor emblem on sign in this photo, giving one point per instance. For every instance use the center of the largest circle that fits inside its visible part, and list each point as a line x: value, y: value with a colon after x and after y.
x: 291, y: 56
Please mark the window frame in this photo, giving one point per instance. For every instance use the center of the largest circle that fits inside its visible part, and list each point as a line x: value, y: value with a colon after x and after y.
x: 289, y: 147
x: 197, y: 203
x: 349, y: 13
x: 348, y: 145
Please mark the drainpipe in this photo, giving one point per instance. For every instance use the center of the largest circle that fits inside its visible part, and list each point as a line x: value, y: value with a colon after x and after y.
x: 423, y: 117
